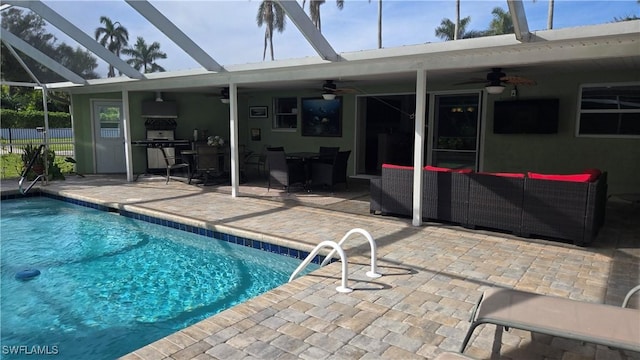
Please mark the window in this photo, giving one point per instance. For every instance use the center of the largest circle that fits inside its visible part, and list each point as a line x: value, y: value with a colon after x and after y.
x: 109, y: 121
x: 455, y: 131
x: 609, y: 110
x: 285, y: 115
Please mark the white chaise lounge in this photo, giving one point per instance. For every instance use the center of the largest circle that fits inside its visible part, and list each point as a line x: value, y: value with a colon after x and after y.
x: 613, y: 326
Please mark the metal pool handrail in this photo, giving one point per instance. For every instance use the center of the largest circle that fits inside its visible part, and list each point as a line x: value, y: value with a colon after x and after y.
x: 373, y: 273
x: 27, y: 169
x: 343, y: 288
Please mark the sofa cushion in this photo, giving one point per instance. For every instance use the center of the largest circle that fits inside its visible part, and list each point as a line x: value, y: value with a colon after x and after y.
x: 435, y: 168
x: 504, y: 174
x: 400, y: 167
x: 595, y: 174
x: 570, y: 177
x: 443, y: 169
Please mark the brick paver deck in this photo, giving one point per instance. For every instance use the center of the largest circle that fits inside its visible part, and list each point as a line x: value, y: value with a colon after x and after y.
x: 419, y: 308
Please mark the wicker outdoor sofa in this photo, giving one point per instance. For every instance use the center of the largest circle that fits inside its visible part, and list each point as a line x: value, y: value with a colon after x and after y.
x: 567, y: 207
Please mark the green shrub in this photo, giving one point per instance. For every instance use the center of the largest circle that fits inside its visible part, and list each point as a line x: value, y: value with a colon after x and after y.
x: 31, y: 119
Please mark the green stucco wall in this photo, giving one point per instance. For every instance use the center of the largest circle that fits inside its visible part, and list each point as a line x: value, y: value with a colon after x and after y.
x: 564, y: 153
x: 553, y: 153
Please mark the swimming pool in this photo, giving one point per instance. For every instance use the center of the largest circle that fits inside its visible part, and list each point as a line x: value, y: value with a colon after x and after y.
x: 110, y: 284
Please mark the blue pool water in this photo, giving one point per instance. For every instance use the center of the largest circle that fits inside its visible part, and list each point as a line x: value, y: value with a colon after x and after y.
x: 110, y: 284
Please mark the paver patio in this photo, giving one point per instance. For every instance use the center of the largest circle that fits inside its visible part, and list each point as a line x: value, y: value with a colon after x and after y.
x: 432, y: 276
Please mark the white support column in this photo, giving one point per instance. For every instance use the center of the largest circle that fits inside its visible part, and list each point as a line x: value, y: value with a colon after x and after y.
x: 418, y: 149
x: 126, y: 128
x: 45, y: 138
x: 233, y: 138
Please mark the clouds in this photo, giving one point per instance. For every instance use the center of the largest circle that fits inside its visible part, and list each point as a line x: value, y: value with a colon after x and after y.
x: 227, y: 30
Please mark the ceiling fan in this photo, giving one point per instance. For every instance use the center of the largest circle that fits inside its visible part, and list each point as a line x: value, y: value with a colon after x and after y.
x: 496, y: 79
x: 330, y: 90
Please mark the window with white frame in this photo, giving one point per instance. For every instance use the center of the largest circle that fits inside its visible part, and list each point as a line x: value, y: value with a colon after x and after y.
x: 610, y: 110
x: 285, y: 115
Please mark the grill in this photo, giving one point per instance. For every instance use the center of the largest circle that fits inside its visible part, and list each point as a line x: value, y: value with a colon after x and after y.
x: 160, y: 124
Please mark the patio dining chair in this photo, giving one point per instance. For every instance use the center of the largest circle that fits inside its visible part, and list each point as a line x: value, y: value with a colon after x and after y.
x: 258, y: 160
x: 327, y: 154
x: 175, y: 163
x: 284, y: 172
x: 208, y: 162
x: 330, y: 174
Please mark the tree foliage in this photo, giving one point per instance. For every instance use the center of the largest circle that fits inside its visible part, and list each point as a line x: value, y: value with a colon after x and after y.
x: 112, y: 36
x: 143, y: 56
x: 446, y: 30
x: 314, y: 10
x: 502, y: 22
x: 499, y: 25
x: 272, y: 16
x: 31, y: 28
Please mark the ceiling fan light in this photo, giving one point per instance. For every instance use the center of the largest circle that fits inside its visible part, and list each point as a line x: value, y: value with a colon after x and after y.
x: 328, y: 96
x: 494, y: 89
x: 224, y: 95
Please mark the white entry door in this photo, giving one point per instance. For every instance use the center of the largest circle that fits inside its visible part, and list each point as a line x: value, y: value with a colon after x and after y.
x: 109, y: 137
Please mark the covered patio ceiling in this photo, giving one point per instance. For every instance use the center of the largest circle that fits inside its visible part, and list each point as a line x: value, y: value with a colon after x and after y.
x: 538, y: 54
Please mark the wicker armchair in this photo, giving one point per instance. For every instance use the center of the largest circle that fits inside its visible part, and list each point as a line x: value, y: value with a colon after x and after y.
x: 566, y: 210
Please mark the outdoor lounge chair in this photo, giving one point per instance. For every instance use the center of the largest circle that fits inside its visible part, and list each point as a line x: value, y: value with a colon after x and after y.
x: 613, y: 326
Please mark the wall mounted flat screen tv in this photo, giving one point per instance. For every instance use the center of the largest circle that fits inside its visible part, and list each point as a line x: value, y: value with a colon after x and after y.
x: 531, y: 116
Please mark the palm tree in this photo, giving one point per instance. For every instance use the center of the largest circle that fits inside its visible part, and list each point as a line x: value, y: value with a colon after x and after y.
x: 446, y: 30
x: 144, y: 57
x: 273, y: 17
x: 502, y: 22
x: 456, y: 31
x: 380, y: 23
x: 314, y: 11
x: 114, y: 37
x: 550, y: 16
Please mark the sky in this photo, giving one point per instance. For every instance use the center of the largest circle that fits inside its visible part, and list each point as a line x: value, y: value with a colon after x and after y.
x: 227, y: 29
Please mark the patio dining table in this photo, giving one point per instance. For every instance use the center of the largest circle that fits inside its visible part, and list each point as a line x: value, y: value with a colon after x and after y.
x: 306, y: 157
x: 303, y: 155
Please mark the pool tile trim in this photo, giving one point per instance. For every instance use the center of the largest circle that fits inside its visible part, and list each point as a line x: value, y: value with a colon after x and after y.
x: 239, y: 240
